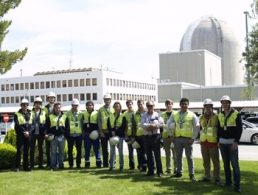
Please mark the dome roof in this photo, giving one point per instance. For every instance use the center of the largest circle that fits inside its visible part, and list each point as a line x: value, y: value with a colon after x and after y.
x: 217, y: 37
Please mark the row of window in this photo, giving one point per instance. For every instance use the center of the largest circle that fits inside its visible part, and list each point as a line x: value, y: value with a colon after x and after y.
x: 59, y: 98
x: 81, y: 97
x: 130, y: 84
x: 50, y: 84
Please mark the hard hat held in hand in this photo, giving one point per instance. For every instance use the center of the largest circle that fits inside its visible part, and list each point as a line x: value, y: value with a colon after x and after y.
x: 114, y: 140
x: 136, y: 145
x: 50, y: 137
x: 94, y: 135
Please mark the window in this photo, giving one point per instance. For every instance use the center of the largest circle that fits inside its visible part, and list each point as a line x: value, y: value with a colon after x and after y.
x: 70, y: 97
x: 22, y: 86
x: 7, y: 100
x: 75, y: 83
x: 26, y: 85
x: 81, y: 82
x: 58, y: 97
x: 58, y: 84
x: 37, y: 85
x: 7, y: 87
x: 53, y: 84
x: 3, y: 100
x: 107, y: 81
x: 94, y: 96
x: 70, y: 83
x: 31, y: 85
x: 64, y: 97
x: 87, y: 82
x: 16, y: 86
x: 42, y: 85
x: 76, y: 95
x: 2, y: 87
x: 82, y: 97
x: 12, y: 87
x: 12, y: 100
x: 31, y: 99
x: 17, y: 99
x: 94, y: 81
x: 64, y: 83
x: 88, y: 96
x: 47, y: 85
x: 43, y: 98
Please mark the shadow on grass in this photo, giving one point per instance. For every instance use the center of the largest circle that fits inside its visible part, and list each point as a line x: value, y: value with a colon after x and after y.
x: 249, y: 182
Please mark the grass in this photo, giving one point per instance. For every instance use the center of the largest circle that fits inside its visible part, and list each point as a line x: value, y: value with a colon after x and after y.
x: 102, y: 181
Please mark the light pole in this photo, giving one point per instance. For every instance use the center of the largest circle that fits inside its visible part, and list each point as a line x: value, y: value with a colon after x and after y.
x: 248, y: 65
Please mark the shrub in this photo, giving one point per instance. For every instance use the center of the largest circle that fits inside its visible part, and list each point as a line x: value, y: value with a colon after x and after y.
x: 7, y: 156
x: 10, y: 138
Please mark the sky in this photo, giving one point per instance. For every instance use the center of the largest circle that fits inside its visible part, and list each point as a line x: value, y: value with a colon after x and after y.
x: 119, y: 35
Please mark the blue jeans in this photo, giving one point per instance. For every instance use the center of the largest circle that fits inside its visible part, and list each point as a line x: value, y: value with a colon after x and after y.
x: 87, y: 145
x: 57, y: 146
x: 113, y: 153
x: 230, y: 156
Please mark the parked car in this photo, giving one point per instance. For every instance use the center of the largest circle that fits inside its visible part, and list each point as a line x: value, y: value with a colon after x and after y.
x: 253, y: 120
x: 250, y: 133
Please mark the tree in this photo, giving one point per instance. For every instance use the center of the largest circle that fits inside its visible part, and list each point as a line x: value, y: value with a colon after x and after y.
x: 8, y: 58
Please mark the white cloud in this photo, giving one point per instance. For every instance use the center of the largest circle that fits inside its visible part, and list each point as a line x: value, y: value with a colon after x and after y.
x: 122, y: 34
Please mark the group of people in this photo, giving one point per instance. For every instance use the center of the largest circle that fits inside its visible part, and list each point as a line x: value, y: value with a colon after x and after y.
x: 143, y: 130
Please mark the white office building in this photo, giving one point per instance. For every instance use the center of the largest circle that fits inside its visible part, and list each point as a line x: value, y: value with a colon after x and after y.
x: 84, y: 84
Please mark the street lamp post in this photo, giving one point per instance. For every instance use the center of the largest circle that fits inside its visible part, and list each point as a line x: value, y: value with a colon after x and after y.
x: 248, y: 65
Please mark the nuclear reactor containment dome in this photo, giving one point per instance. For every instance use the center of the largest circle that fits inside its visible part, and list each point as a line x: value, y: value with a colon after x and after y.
x: 216, y: 36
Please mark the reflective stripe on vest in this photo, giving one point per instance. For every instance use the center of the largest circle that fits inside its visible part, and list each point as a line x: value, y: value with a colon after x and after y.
x: 209, y: 129
x: 118, y: 122
x: 21, y: 119
x: 184, y: 127
x: 165, y: 116
x: 42, y: 116
x: 75, y: 122
x: 93, y: 117
x: 53, y: 120
x: 129, y: 118
x: 231, y: 120
x: 138, y: 120
x: 104, y: 116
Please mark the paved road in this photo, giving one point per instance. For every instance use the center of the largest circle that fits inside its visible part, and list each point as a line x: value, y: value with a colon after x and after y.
x: 246, y: 151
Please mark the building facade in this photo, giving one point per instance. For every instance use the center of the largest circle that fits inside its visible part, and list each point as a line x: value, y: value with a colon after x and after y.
x: 84, y: 84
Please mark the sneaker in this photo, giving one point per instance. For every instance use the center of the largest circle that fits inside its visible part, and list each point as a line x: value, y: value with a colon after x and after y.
x: 192, y: 178
x: 238, y: 190
x: 168, y: 171
x: 177, y: 175
x: 205, y: 179
x: 218, y: 182
x: 160, y: 174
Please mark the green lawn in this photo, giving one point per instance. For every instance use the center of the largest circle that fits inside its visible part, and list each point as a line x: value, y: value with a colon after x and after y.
x: 102, y: 181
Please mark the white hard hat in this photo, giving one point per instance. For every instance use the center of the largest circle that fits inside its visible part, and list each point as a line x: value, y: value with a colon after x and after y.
x: 38, y: 99
x: 25, y: 101
x: 50, y: 137
x: 94, y: 135
x: 107, y: 96
x: 75, y: 102
x: 207, y: 102
x: 114, y: 140
x: 225, y: 97
x: 136, y: 145
x: 51, y: 94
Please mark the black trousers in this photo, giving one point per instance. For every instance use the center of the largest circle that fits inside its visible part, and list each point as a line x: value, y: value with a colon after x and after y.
x: 104, y: 147
x: 77, y: 141
x: 131, y: 156
x: 152, y: 146
x: 40, y: 140
x: 22, y: 143
x: 47, y: 144
x: 141, y: 155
